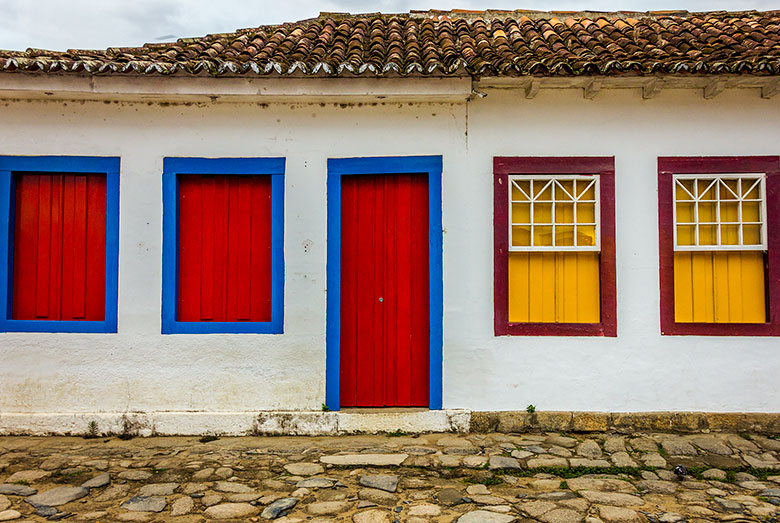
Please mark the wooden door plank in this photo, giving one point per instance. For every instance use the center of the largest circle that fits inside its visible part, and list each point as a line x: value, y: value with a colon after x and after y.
x: 349, y: 241
x: 753, y: 287
x: 208, y: 248
x: 221, y: 238
x: 259, y: 254
x: 244, y: 238
x: 391, y: 289
x: 366, y: 301
x: 380, y: 248
x: 56, y: 254
x: 519, y: 286
x: 233, y: 248
x: 96, y: 247
x: 26, y: 247
x: 404, y: 285
x: 68, y: 235
x: 190, y: 255
x: 43, y: 277
x: 79, y: 249
x: 420, y: 346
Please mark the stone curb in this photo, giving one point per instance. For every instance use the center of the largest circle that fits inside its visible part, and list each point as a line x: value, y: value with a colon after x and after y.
x: 625, y: 422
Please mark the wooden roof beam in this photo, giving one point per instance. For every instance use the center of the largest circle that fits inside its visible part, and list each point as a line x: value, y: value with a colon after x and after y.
x: 652, y: 88
x: 771, y: 88
x: 592, y: 88
x: 532, y: 88
x: 714, y: 88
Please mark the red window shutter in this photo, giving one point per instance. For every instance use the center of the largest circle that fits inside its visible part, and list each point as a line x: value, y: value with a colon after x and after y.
x: 224, y: 269
x: 59, y: 247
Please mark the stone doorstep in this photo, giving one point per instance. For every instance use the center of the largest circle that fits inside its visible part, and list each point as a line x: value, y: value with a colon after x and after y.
x: 366, y: 421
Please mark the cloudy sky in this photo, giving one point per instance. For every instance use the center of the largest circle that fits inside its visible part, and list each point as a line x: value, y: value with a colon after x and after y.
x: 97, y: 24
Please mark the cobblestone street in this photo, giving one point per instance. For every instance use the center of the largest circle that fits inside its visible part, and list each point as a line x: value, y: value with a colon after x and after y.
x: 553, y: 478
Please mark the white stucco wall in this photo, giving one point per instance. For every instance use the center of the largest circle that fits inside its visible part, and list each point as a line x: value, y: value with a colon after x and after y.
x: 138, y: 369
x: 640, y: 370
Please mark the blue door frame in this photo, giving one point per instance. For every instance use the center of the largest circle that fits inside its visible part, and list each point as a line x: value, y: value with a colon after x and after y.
x: 338, y: 167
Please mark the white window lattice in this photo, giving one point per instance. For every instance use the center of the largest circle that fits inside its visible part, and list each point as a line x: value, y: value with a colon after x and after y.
x: 554, y: 213
x: 719, y: 212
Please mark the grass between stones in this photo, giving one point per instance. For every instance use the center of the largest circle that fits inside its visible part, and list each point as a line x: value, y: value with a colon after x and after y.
x: 731, y: 472
x: 396, y: 434
x: 576, y: 472
x: 495, y: 477
x: 71, y: 478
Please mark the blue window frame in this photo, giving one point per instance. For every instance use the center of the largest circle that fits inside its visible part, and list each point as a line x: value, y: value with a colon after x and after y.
x: 172, y: 168
x: 61, y: 164
x: 338, y: 167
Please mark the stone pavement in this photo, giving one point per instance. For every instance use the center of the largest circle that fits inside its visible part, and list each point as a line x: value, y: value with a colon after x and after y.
x: 552, y: 478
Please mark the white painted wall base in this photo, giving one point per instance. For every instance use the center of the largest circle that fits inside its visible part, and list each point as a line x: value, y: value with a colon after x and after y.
x: 299, y: 423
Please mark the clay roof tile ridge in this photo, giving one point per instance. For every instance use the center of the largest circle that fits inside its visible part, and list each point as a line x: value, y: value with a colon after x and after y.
x: 450, y: 42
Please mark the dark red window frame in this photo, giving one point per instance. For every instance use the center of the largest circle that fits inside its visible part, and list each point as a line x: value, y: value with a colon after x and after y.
x: 605, y: 168
x: 667, y: 167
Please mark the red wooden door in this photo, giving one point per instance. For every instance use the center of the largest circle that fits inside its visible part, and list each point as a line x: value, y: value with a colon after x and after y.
x: 385, y: 324
x: 60, y: 247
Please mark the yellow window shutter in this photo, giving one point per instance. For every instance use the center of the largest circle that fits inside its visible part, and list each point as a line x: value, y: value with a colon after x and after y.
x: 554, y: 287
x: 719, y: 287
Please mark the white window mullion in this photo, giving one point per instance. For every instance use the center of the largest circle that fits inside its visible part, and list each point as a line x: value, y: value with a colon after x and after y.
x: 722, y: 194
x: 717, y: 212
x: 675, y: 183
x: 762, y: 228
x: 741, y: 202
x: 531, y: 214
x: 552, y: 217
x: 511, y: 215
x: 597, y: 212
x: 576, y: 200
x: 696, y: 211
x: 553, y: 184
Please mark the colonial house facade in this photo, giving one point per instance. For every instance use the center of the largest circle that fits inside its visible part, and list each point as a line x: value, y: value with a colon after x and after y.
x: 440, y: 212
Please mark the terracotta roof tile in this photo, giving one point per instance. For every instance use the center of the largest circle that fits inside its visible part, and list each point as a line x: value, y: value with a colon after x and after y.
x: 451, y: 43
